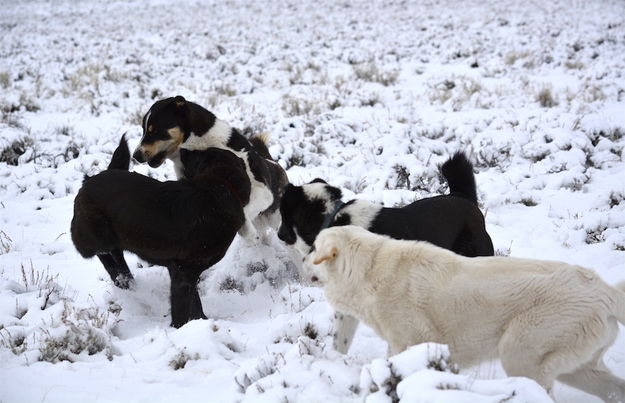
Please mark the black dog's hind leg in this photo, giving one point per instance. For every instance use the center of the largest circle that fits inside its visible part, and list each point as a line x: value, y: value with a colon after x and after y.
x: 185, y: 299
x: 116, y: 266
x: 124, y: 276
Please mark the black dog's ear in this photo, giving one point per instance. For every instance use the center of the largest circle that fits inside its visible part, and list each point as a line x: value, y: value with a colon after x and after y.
x: 318, y: 180
x: 179, y: 100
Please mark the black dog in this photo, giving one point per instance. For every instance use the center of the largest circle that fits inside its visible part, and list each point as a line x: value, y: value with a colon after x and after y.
x: 451, y: 221
x: 173, y: 125
x: 186, y: 225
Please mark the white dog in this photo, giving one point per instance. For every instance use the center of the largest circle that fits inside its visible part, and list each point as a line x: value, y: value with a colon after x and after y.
x: 544, y: 320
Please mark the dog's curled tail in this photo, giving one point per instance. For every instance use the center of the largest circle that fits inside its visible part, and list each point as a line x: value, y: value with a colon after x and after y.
x: 260, y: 142
x: 121, y: 156
x: 458, y: 171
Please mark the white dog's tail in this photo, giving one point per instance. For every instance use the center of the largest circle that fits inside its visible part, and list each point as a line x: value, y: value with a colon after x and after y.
x: 619, y: 310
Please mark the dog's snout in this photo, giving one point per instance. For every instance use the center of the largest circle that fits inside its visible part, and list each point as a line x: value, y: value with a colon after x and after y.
x: 286, y: 236
x: 314, y: 279
x: 138, y: 155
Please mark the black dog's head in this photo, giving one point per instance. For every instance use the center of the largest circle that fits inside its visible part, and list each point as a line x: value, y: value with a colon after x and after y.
x: 167, y: 124
x: 303, y: 210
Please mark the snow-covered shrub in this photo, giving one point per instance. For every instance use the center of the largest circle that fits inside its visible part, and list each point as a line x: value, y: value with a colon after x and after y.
x: 545, y: 97
x: 65, y: 331
x: 369, y: 71
x: 379, y: 380
x: 75, y: 332
x: 6, y: 243
x: 180, y: 360
x: 423, y: 373
x: 11, y: 154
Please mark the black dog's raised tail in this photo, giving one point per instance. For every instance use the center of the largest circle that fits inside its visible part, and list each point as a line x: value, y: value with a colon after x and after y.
x: 121, y: 156
x: 458, y: 171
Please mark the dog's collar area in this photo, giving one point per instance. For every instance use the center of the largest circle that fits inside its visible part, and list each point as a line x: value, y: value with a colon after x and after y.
x: 329, y: 217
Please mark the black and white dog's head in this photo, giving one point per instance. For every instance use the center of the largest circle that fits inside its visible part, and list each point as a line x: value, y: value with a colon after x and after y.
x: 172, y: 127
x: 168, y: 124
x: 304, y: 210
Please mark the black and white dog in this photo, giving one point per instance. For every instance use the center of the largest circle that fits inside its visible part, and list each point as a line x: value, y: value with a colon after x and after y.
x: 174, y: 126
x: 452, y: 221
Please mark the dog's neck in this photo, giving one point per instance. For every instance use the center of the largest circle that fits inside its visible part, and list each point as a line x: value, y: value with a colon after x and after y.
x: 355, y: 288
x: 178, y: 166
x: 217, y: 136
x: 358, y: 212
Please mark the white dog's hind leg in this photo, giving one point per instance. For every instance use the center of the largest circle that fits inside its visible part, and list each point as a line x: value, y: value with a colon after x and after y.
x: 266, y: 221
x: 248, y: 232
x: 597, y: 381
x: 260, y: 199
x: 344, y: 329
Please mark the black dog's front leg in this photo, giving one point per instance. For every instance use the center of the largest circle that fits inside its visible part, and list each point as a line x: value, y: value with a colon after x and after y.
x: 185, y: 300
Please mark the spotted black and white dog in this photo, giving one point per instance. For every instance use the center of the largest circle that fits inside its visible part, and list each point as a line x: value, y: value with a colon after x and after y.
x: 175, y: 126
x: 453, y: 221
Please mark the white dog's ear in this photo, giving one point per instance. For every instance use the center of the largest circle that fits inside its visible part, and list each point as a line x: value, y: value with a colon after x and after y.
x: 325, y: 254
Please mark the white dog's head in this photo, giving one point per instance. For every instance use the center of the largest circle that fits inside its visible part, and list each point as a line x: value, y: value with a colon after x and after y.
x: 334, y: 252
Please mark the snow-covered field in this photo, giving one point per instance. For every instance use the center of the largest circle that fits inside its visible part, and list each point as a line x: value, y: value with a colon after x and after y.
x: 370, y: 95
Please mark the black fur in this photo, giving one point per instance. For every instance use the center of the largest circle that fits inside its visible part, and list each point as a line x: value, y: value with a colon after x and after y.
x: 451, y: 221
x: 190, y: 117
x: 121, y: 156
x: 186, y: 226
x: 458, y: 171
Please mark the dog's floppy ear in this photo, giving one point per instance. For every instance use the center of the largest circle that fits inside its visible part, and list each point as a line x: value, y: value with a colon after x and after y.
x: 179, y: 100
x: 325, y: 254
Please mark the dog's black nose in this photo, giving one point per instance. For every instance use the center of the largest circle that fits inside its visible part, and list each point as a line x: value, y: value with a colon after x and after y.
x: 138, y: 155
x: 286, y: 236
x: 314, y: 279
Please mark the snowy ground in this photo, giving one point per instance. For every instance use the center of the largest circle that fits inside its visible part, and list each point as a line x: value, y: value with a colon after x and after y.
x: 368, y: 95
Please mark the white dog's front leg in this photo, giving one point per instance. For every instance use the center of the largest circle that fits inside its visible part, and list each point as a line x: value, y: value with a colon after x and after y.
x: 344, y: 329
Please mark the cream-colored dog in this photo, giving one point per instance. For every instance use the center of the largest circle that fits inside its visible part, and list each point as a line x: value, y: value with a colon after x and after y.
x: 544, y: 320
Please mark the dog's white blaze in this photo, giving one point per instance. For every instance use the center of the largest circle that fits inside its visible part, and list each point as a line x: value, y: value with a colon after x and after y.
x: 216, y: 136
x: 300, y: 245
x: 318, y: 191
x: 361, y: 212
x: 145, y: 126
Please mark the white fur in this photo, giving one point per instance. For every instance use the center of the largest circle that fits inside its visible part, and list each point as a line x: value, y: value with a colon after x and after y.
x: 300, y: 245
x: 178, y: 167
x: 217, y: 136
x: 345, y: 327
x: 318, y: 191
x: 361, y: 213
x: 545, y: 320
x: 145, y: 128
x: 260, y: 196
